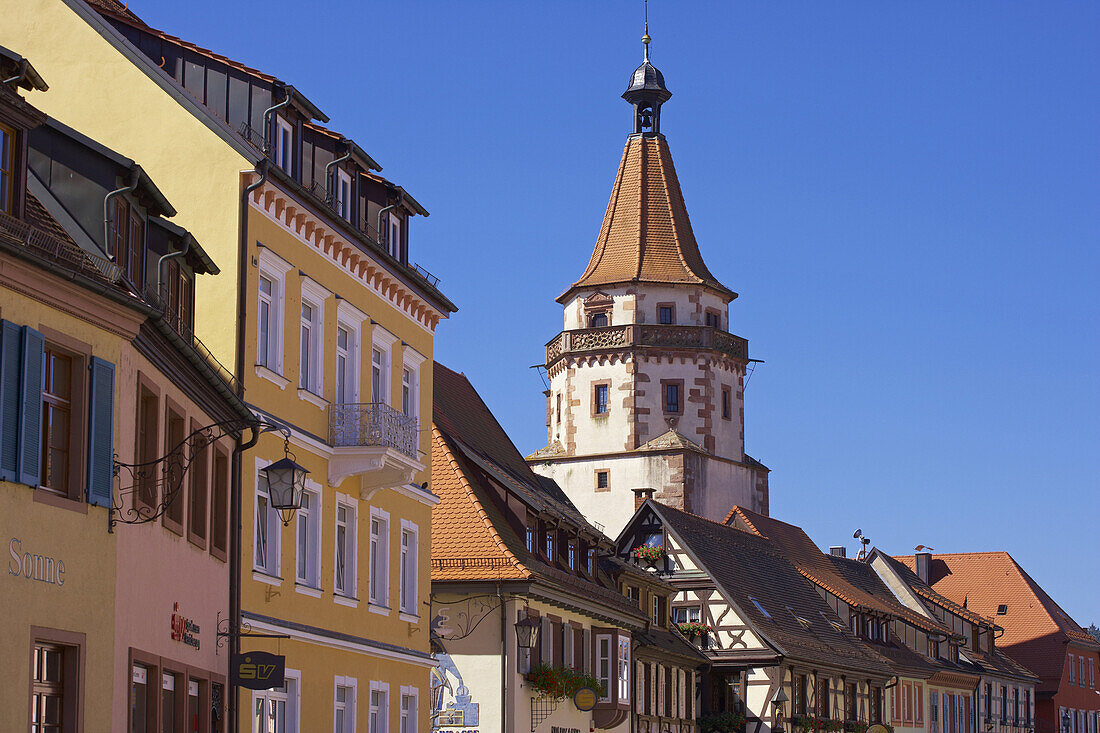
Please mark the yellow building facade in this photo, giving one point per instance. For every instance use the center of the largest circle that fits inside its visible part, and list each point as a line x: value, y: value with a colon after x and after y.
x: 333, y: 342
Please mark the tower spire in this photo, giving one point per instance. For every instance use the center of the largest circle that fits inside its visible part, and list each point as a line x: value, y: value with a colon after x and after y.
x: 647, y: 92
x: 645, y: 35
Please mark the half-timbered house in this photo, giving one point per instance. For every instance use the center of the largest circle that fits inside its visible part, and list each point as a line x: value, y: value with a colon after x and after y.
x: 762, y: 626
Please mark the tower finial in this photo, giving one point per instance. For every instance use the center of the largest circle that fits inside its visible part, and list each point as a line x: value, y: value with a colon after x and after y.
x: 645, y: 36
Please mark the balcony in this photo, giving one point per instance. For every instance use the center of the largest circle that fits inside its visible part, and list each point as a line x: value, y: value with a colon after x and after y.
x: 645, y: 335
x: 375, y: 442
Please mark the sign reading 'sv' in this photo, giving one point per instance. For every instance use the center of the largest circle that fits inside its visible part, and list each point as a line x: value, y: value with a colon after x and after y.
x: 259, y: 670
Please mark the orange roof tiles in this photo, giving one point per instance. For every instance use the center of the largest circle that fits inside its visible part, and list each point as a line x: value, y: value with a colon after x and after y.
x: 1035, y: 627
x: 646, y: 235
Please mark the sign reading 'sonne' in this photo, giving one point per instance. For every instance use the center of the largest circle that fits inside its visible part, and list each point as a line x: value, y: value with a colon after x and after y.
x: 34, y: 566
x: 259, y: 670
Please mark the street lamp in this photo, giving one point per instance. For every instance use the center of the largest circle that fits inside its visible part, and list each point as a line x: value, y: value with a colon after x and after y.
x: 286, y: 481
x: 527, y: 632
x: 777, y: 706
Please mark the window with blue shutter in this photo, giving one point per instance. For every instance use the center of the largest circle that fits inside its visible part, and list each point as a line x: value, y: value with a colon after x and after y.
x: 30, y: 399
x: 101, y: 453
x: 11, y: 364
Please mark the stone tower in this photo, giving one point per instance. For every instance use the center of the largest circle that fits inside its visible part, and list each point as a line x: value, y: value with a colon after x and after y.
x: 646, y: 381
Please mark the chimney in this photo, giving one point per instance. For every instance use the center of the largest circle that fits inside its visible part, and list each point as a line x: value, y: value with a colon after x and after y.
x: 838, y: 551
x: 640, y: 495
x: 924, y: 567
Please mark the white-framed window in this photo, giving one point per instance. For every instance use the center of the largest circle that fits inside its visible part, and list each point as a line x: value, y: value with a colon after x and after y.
x: 342, y: 197
x: 410, y: 556
x: 683, y: 614
x: 343, y: 705
x: 311, y: 375
x: 379, y: 557
x: 344, y: 557
x: 347, y: 364
x: 393, y: 238
x: 306, y: 365
x: 277, y: 710
x: 410, y: 702
x: 381, y: 348
x: 307, y: 570
x: 604, y: 662
x: 406, y: 391
x: 410, y: 382
x: 571, y: 549
x: 624, y: 668
x: 266, y: 534
x: 271, y: 290
x: 378, y: 721
x: 284, y: 145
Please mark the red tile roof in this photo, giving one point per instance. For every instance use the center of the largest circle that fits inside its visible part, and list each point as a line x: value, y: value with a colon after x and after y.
x: 646, y: 235
x: 1036, y: 628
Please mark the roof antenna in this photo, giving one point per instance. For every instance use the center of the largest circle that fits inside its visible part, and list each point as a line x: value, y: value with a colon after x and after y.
x: 645, y: 37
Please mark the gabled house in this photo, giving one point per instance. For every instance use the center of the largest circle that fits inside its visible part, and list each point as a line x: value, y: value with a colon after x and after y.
x: 764, y: 628
x: 1006, y: 690
x: 509, y: 547
x: 1038, y: 633
x: 935, y: 685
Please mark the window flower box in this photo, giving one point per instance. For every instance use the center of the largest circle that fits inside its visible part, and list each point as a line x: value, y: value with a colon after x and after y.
x: 649, y: 554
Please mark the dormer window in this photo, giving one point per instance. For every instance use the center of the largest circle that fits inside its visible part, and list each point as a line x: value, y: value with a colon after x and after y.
x: 7, y: 169
x: 393, y: 237
x: 572, y: 555
x: 129, y: 241
x: 284, y: 144
x: 549, y: 548
x: 342, y: 197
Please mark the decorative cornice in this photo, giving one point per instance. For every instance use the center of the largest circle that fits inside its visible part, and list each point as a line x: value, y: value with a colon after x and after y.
x: 310, y: 228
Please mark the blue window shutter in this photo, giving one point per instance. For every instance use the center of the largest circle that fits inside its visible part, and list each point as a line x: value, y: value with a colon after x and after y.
x: 101, y: 433
x: 11, y: 362
x: 30, y: 398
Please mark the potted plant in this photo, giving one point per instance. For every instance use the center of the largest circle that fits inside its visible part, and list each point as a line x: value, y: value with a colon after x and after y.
x: 832, y: 725
x: 692, y: 629
x: 560, y: 682
x: 856, y: 726
x: 649, y: 554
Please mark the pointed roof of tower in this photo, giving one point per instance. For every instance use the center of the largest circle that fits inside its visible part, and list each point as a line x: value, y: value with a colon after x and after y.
x: 646, y: 235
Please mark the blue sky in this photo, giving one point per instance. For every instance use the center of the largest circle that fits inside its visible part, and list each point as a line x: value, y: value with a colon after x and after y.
x: 904, y: 195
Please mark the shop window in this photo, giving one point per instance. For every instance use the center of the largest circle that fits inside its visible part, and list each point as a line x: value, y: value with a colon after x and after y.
x: 142, y: 708
x: 168, y: 697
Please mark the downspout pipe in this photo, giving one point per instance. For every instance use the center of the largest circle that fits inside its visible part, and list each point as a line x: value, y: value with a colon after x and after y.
x: 328, y: 170
x: 503, y: 661
x: 135, y: 179
x: 234, y: 692
x: 171, y: 256
x: 267, y: 122
x: 379, y: 230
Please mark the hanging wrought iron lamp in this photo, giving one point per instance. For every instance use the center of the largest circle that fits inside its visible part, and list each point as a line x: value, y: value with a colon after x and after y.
x: 286, y: 481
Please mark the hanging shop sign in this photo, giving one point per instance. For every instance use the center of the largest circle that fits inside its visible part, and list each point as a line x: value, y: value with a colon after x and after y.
x: 259, y: 670
x: 184, y: 629
x: 584, y: 699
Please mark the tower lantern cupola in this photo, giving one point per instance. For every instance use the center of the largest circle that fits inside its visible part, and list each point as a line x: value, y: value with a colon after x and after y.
x: 646, y: 93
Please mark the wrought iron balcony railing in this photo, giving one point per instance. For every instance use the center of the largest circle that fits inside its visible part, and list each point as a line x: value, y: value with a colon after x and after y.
x: 372, y: 424
x: 650, y: 335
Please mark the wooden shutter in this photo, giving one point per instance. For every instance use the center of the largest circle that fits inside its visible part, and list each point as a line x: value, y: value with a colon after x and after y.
x: 586, y: 651
x: 101, y: 405
x: 30, y: 398
x: 10, y: 366
x: 918, y: 704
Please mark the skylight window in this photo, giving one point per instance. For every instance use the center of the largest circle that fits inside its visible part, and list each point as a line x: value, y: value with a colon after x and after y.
x: 804, y: 623
x: 761, y: 609
x: 1002, y: 609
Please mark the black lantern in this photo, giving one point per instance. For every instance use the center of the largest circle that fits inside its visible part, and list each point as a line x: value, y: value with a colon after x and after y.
x: 527, y: 632
x: 286, y: 481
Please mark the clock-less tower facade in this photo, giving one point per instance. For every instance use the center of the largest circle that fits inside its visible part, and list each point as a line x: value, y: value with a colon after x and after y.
x: 646, y: 380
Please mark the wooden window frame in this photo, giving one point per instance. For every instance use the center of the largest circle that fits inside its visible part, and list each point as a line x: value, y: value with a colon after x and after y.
x: 223, y: 453
x: 146, y: 387
x: 665, y: 384
x: 10, y: 167
x: 606, y: 383
x: 198, y: 481
x: 75, y: 649
x: 80, y: 355
x: 672, y: 308
x: 174, y: 410
x: 717, y: 314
